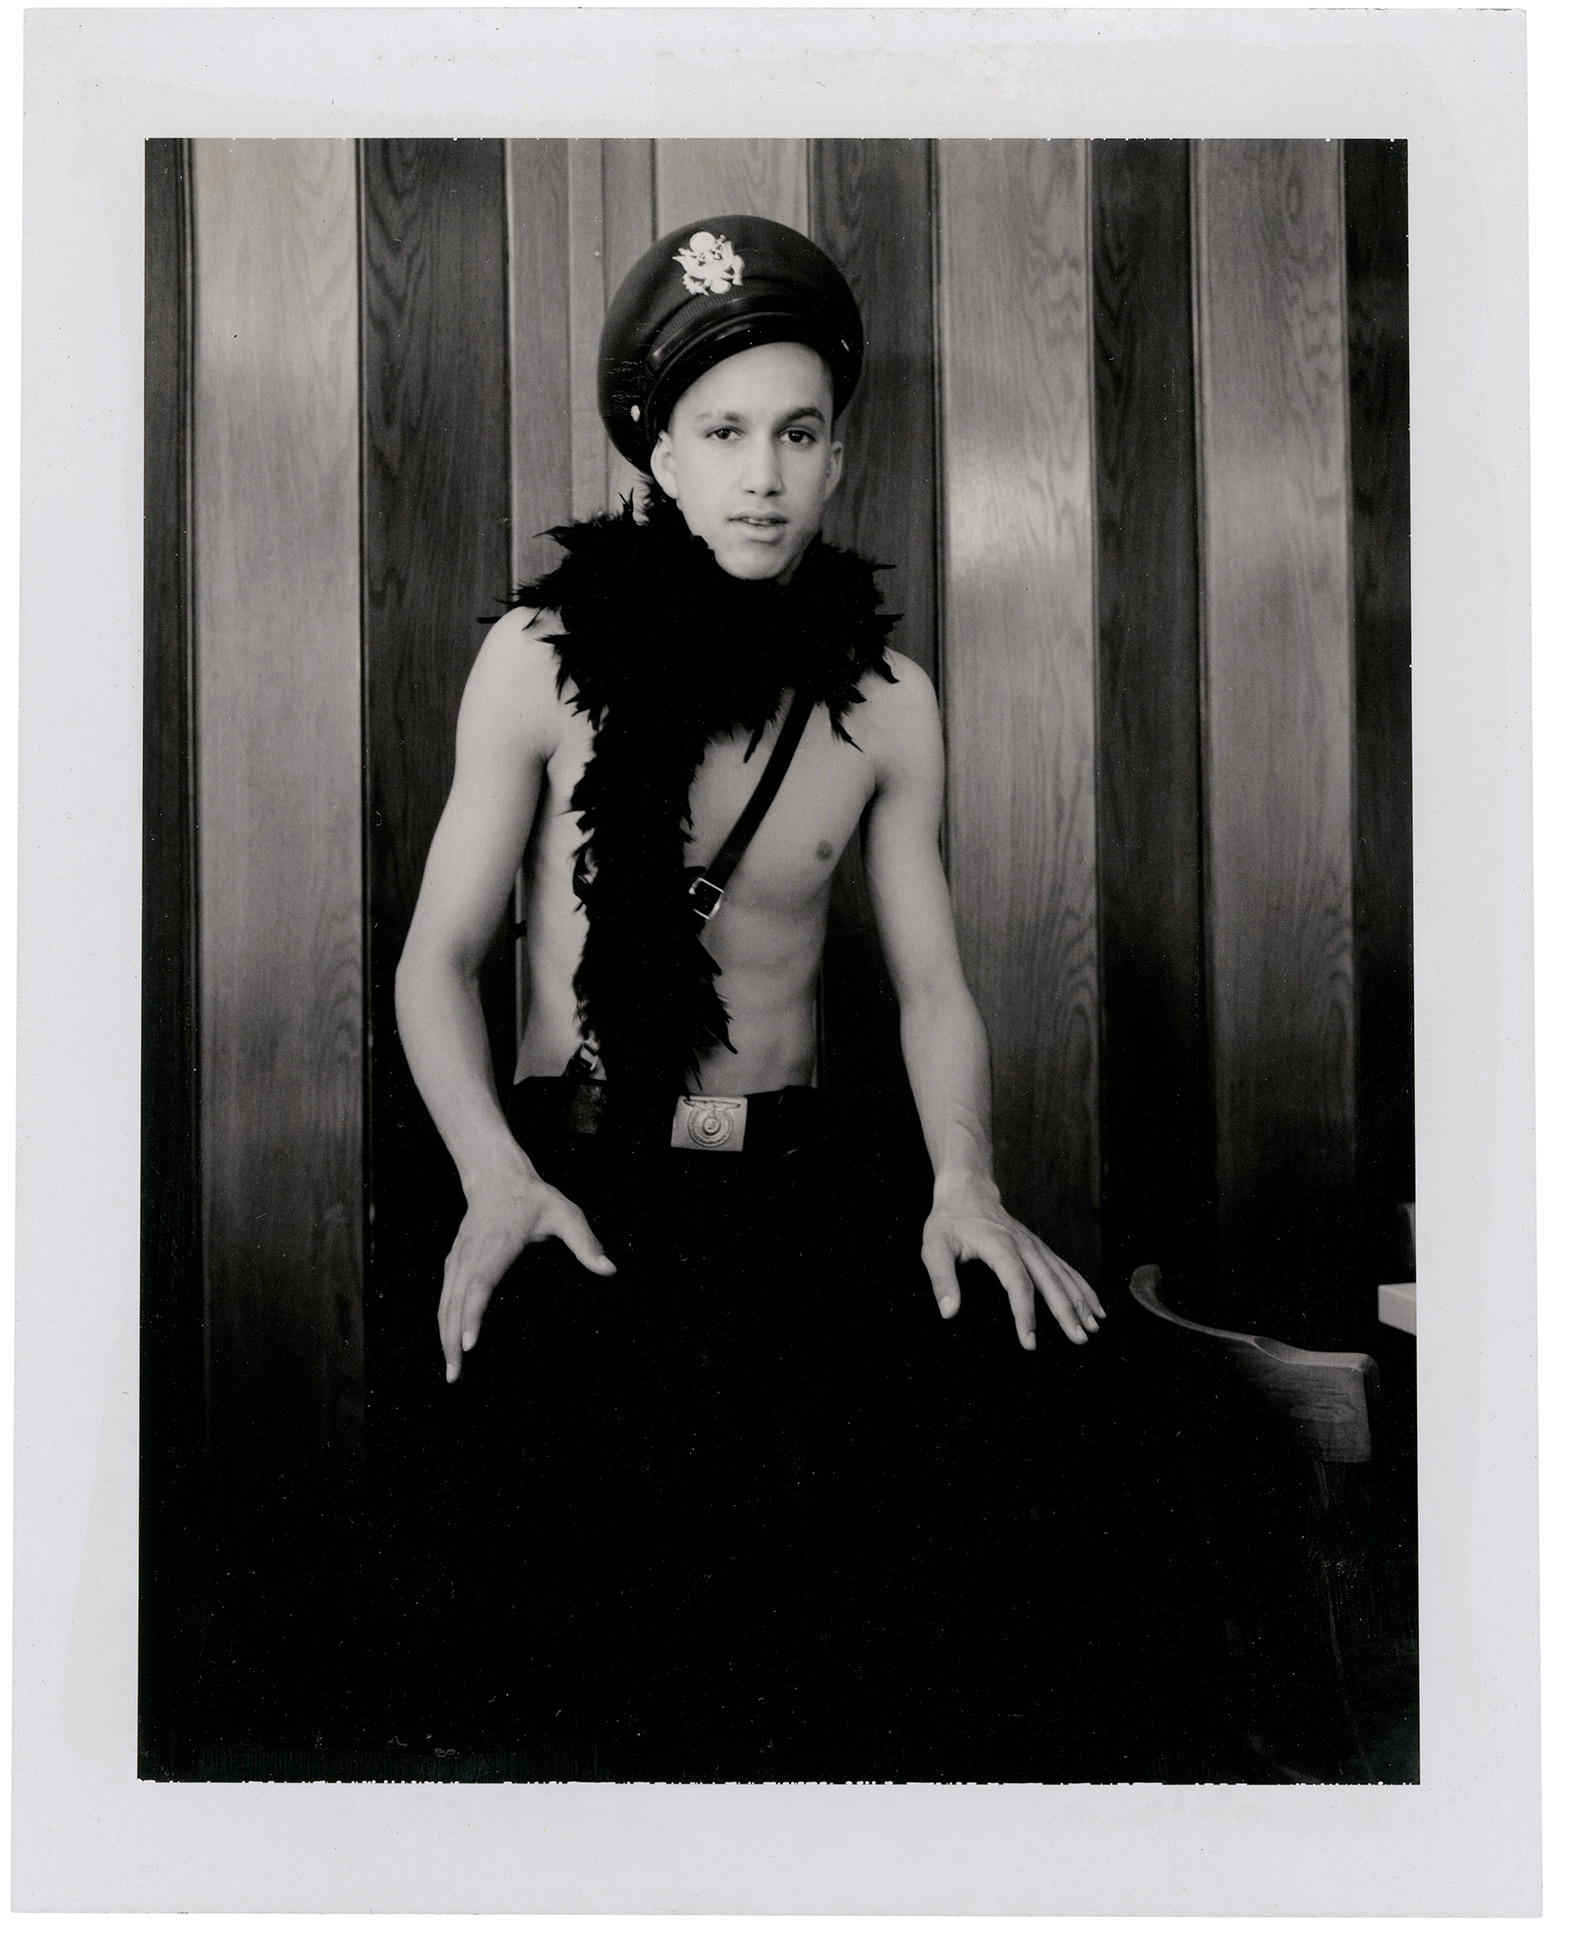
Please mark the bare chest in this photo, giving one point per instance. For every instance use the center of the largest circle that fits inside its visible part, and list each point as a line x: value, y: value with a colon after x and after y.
x: 792, y: 857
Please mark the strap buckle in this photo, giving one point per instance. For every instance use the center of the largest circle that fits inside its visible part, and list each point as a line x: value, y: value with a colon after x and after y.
x: 703, y: 907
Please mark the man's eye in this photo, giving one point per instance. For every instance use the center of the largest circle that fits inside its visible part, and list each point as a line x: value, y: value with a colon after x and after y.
x: 801, y: 436
x: 722, y: 433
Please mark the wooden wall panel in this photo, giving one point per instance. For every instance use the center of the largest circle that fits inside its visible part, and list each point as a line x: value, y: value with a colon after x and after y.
x: 628, y: 204
x: 278, y: 659
x: 710, y: 177
x: 628, y: 229
x: 871, y: 211
x: 436, y: 466
x: 540, y: 382
x: 611, y: 218
x: 1277, y: 645
x: 1018, y: 656
x: 171, y: 1376
x: 587, y: 308
x: 1158, y: 1168
x: 1378, y: 310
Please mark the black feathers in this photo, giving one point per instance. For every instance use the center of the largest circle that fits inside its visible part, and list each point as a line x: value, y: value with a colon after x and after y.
x: 665, y: 651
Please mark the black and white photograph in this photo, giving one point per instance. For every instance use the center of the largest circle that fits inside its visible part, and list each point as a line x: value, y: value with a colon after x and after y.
x: 786, y: 816
x: 777, y: 1021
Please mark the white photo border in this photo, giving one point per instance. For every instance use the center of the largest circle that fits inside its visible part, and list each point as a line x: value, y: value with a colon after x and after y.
x: 86, y: 1833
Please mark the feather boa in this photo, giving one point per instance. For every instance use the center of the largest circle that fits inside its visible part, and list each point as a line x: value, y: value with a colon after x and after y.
x: 665, y: 651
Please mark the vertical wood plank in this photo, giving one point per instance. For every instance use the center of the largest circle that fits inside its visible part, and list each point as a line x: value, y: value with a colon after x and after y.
x: 611, y: 219
x: 628, y: 229
x: 628, y: 204
x: 436, y: 467
x: 1158, y: 1168
x: 871, y: 214
x: 1377, y: 302
x: 587, y: 308
x: 1277, y: 742
x: 1018, y: 656
x: 733, y: 176
x: 540, y: 381
x: 870, y: 210
x: 172, y: 1381
x: 278, y: 650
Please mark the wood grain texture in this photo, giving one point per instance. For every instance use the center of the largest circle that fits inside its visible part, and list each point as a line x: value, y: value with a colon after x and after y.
x: 871, y: 213
x: 436, y: 466
x: 744, y: 176
x: 1158, y: 1167
x: 540, y: 383
x: 278, y: 657
x: 870, y: 210
x: 611, y: 219
x: 628, y: 229
x: 587, y: 308
x: 1377, y: 303
x: 628, y: 205
x: 1277, y: 648
x: 1018, y: 657
x: 171, y: 1371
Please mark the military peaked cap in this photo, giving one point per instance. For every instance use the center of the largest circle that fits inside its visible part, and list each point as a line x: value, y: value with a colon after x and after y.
x: 703, y: 293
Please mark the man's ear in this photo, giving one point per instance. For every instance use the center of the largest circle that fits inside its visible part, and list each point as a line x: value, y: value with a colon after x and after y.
x: 836, y: 468
x: 663, y: 471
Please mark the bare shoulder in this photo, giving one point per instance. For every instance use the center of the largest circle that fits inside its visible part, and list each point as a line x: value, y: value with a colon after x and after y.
x: 899, y: 723
x: 512, y: 698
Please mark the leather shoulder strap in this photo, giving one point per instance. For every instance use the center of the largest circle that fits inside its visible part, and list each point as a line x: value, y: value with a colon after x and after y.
x: 705, y: 890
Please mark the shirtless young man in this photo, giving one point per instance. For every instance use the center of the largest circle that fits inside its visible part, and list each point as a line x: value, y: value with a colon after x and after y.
x: 750, y: 457
x: 692, y: 1360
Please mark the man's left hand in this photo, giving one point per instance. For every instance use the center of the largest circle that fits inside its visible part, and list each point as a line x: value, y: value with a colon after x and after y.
x: 969, y: 1222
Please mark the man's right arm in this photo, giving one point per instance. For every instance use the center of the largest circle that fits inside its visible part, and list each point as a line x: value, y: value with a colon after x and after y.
x: 508, y: 723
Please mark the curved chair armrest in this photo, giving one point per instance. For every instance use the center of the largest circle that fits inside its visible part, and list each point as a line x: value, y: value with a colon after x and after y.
x: 1324, y: 1404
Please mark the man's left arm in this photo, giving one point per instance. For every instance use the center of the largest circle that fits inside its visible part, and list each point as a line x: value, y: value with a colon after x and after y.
x: 944, y: 1044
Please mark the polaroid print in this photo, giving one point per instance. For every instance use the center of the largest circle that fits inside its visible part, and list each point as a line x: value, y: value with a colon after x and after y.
x: 778, y: 1091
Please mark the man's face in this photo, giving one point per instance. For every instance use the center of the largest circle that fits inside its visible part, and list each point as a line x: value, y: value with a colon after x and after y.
x: 749, y: 458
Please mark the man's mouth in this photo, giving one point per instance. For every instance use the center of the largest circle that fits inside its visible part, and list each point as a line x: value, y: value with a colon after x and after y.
x: 761, y: 521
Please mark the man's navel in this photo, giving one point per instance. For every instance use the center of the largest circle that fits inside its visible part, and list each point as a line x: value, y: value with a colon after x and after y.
x: 825, y: 850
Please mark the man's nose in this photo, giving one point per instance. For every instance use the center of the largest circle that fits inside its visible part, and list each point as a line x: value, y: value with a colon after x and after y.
x: 763, y: 467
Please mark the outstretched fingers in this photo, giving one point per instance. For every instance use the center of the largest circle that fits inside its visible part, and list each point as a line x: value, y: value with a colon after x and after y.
x: 468, y: 1285
x: 1017, y: 1273
x: 1071, y: 1300
x: 486, y: 1247
x: 1003, y: 1259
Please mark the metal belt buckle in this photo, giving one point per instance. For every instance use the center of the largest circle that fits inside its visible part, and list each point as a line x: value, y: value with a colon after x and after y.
x: 709, y: 1123
x: 706, y: 897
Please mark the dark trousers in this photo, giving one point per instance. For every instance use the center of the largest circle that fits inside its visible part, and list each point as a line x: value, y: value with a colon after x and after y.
x: 749, y: 1509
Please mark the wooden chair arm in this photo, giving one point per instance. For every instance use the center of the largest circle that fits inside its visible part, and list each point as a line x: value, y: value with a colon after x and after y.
x: 1324, y: 1404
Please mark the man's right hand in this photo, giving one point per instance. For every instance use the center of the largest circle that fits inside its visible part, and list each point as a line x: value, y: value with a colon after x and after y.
x: 502, y: 1218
